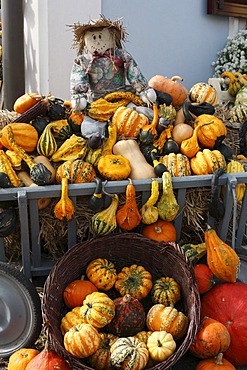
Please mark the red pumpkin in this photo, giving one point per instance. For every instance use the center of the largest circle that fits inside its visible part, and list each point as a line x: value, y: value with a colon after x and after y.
x: 204, y: 278
x: 129, y: 317
x: 48, y: 359
x: 227, y: 303
x: 211, y: 339
x: 76, y: 291
x: 177, y: 90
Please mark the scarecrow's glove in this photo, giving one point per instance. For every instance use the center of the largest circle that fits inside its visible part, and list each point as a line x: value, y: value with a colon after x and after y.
x: 148, y: 96
x: 78, y: 103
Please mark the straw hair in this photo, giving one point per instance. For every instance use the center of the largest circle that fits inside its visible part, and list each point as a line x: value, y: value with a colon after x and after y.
x: 115, y: 27
x: 123, y: 249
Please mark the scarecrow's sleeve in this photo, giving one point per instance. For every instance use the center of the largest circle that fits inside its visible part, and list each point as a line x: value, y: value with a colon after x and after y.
x: 79, y: 80
x: 134, y: 74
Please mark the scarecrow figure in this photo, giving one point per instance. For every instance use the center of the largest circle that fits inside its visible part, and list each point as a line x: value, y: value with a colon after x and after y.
x: 103, y: 65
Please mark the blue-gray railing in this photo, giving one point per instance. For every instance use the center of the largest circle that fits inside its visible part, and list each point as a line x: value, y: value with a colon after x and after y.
x: 32, y: 262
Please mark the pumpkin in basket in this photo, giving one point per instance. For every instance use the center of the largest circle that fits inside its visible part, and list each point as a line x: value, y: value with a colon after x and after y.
x: 212, y: 338
x: 76, y: 291
x: 101, y: 359
x: 166, y: 291
x: 129, y: 353
x: 72, y: 318
x: 160, y: 317
x: 134, y: 280
x: 20, y: 358
x: 102, y: 273
x: 97, y: 309
x: 227, y: 303
x: 129, y: 317
x: 161, y: 345
x: 82, y: 340
x: 212, y: 130
x: 215, y: 363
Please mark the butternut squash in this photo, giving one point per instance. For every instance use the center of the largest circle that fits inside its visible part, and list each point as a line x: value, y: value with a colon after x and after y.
x: 140, y: 168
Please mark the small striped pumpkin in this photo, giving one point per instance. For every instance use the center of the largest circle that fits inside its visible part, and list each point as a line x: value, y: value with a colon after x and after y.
x: 82, y: 340
x: 76, y: 172
x: 129, y: 122
x: 101, y: 359
x: 202, y: 92
x: 160, y: 317
x: 72, y: 318
x: 97, y: 309
x: 207, y: 161
x: 177, y: 164
x: 129, y: 353
x: 102, y: 273
x: 166, y: 291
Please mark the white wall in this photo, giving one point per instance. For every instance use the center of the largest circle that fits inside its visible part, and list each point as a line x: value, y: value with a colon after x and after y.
x: 165, y: 37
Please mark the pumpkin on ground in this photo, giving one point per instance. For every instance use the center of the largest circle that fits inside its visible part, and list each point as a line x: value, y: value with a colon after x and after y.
x: 134, y: 280
x: 204, y: 278
x: 212, y: 338
x: 160, y: 317
x: 129, y: 317
x: 161, y: 345
x: 48, y: 359
x: 160, y: 231
x: 76, y: 291
x: 129, y: 353
x: 215, y: 363
x: 97, y: 309
x: 227, y: 303
x: 20, y: 358
x: 82, y: 340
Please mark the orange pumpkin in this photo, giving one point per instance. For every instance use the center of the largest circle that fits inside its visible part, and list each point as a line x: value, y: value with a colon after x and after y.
x: 20, y: 358
x: 160, y: 231
x: 171, y: 86
x: 25, y: 136
x: 204, y: 278
x: 160, y: 317
x: 212, y: 338
x: 75, y: 292
x: 82, y: 340
x: 26, y: 101
x: 215, y: 364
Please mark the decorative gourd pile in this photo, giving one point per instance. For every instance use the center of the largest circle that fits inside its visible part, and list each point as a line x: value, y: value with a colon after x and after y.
x: 178, y: 136
x: 111, y: 327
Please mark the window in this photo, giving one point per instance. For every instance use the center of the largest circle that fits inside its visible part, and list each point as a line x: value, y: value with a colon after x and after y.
x: 231, y: 8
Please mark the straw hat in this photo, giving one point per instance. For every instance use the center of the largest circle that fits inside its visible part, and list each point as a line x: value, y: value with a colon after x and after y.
x: 115, y: 26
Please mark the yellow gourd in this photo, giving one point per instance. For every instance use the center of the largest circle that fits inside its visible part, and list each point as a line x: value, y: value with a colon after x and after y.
x: 149, y: 211
x: 167, y: 205
x: 104, y: 222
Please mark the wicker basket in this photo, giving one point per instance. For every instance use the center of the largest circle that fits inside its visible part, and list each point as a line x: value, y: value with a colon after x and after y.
x: 123, y: 249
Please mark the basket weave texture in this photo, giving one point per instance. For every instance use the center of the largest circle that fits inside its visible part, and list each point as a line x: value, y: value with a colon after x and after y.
x: 123, y: 249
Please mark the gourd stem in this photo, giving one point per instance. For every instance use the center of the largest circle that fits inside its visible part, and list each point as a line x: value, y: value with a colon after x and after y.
x: 218, y: 360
